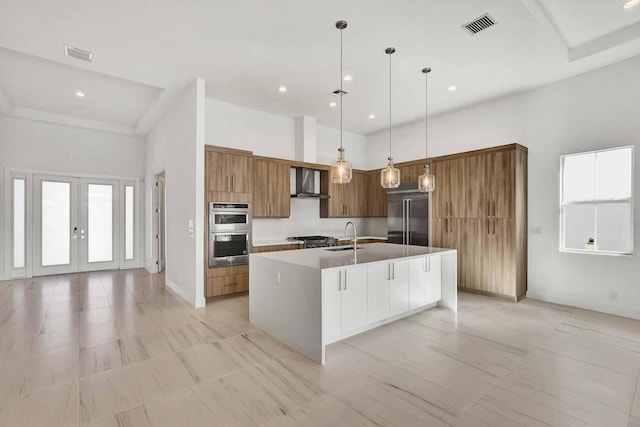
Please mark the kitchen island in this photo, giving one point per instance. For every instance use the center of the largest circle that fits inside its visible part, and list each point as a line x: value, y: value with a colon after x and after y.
x: 310, y: 298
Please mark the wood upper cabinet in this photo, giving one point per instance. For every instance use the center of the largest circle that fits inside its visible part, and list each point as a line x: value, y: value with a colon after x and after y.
x: 376, y: 196
x: 271, y: 189
x: 449, y: 195
x: 229, y: 173
x: 347, y: 200
x: 500, y: 180
x: 410, y: 173
x: 474, y: 181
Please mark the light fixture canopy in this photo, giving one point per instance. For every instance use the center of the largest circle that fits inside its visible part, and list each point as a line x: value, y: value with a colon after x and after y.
x: 452, y: 88
x: 282, y: 89
x: 390, y: 176
x: 79, y: 94
x: 426, y: 181
x: 631, y: 3
x: 341, y: 170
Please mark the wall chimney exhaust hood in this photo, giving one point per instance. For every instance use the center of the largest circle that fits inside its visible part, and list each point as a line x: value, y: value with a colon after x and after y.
x: 306, y: 185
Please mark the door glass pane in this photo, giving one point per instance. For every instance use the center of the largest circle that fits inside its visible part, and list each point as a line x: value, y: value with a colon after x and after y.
x: 613, y: 171
x: 100, y: 222
x: 18, y: 223
x: 579, y: 226
x: 613, y: 225
x: 128, y: 222
x: 579, y: 177
x: 56, y: 223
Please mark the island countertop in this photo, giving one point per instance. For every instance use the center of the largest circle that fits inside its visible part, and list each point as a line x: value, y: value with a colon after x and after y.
x: 327, y: 258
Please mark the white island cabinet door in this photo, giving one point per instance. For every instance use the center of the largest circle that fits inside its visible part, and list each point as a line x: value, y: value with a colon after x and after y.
x: 434, y: 279
x: 354, y: 299
x: 425, y: 281
x: 418, y: 282
x: 399, y: 287
x: 378, y: 293
x: 332, y: 304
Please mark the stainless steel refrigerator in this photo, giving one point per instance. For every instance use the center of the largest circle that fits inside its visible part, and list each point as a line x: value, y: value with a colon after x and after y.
x: 408, y: 215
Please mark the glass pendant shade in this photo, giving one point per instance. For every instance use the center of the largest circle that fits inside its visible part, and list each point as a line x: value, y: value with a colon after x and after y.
x: 426, y: 181
x: 390, y: 176
x: 341, y: 170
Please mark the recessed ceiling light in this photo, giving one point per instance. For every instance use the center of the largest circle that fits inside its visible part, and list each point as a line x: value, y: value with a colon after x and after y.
x: 453, y: 88
x: 631, y: 3
x: 332, y: 104
x: 79, y: 94
x: 372, y: 116
x: 348, y: 77
x: 282, y: 89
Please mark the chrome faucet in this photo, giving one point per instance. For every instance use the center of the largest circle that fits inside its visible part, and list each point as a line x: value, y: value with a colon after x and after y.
x: 355, y: 234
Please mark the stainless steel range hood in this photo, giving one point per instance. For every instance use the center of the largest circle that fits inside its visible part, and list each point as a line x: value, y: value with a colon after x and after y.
x: 305, y: 185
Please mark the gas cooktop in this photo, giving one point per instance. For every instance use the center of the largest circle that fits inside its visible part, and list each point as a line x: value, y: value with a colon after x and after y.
x: 315, y: 241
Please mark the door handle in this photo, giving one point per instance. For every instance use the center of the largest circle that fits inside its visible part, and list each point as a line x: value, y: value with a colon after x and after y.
x: 75, y: 233
x: 232, y: 183
x: 494, y: 227
x: 344, y: 288
x: 494, y: 208
x: 389, y: 271
x: 339, y: 280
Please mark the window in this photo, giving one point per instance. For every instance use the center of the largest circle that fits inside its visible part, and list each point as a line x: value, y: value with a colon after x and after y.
x: 19, y: 229
x: 128, y: 221
x: 597, y: 202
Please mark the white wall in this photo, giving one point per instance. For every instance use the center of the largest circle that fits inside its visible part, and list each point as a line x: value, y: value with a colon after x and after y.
x: 591, y: 111
x: 27, y: 144
x: 176, y: 145
x: 270, y: 135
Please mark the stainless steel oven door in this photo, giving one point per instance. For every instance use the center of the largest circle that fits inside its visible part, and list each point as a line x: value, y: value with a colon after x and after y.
x: 229, y: 248
x: 225, y: 217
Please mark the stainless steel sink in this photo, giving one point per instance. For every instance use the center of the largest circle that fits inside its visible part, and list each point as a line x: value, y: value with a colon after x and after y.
x: 342, y: 248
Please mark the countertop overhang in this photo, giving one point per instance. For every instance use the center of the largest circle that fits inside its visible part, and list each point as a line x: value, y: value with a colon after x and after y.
x: 323, y: 258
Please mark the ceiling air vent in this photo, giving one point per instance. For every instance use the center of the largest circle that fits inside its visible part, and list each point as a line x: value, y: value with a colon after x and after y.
x: 339, y: 92
x: 78, y: 53
x: 480, y: 24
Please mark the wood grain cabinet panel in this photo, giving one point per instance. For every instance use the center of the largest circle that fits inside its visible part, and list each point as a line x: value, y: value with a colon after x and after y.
x: 271, y: 189
x: 410, y: 173
x: 376, y: 196
x: 347, y: 200
x: 503, y: 256
x: 230, y: 173
x: 227, y: 280
x: 500, y: 180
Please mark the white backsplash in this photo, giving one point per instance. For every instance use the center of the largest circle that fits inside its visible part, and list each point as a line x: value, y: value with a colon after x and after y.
x: 305, y: 220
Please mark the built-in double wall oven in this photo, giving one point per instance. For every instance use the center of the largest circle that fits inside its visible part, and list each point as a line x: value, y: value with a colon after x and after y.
x: 229, y: 233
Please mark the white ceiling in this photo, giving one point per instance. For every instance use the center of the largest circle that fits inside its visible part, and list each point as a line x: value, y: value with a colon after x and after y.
x: 44, y: 85
x: 246, y: 49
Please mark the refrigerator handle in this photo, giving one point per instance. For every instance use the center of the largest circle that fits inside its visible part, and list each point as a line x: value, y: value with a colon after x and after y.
x: 403, y: 223
x: 408, y: 221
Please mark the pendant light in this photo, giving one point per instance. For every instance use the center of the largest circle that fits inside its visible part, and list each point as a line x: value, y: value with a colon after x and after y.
x: 426, y: 182
x: 390, y: 176
x: 341, y: 169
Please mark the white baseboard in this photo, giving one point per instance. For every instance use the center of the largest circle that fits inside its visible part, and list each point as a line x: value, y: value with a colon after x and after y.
x: 574, y: 300
x: 179, y: 291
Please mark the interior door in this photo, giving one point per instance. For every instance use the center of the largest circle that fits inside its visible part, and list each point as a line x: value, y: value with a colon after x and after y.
x: 99, y: 224
x: 55, y: 225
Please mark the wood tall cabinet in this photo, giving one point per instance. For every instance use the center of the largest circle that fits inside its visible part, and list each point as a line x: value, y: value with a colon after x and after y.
x: 480, y: 208
x: 228, y: 178
x: 271, y: 188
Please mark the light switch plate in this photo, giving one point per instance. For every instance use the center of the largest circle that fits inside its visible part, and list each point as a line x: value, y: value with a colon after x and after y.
x: 190, y: 223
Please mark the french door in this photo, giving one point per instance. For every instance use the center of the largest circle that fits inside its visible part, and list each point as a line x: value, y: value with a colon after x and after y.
x: 76, y: 224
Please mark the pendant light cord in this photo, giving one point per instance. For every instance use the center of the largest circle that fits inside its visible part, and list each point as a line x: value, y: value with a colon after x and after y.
x: 426, y: 113
x: 390, y: 104
x: 341, y: 92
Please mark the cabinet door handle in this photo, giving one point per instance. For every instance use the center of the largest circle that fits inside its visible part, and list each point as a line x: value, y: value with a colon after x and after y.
x: 232, y: 184
x: 494, y: 208
x: 494, y: 227
x: 339, y: 280
x: 488, y: 208
x: 389, y: 271
x: 393, y: 271
x: 345, y: 281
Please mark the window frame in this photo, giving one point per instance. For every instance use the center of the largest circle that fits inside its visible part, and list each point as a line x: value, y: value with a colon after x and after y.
x: 630, y: 201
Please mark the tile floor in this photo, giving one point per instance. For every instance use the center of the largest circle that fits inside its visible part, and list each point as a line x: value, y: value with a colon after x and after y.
x: 117, y: 349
